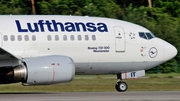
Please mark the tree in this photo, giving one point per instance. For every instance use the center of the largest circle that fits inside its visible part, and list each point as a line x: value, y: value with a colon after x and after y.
x: 33, y: 7
x: 15, y: 7
x: 171, y: 7
x: 103, y: 8
x: 149, y: 3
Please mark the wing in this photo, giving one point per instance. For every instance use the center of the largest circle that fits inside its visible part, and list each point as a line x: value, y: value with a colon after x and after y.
x: 7, y: 59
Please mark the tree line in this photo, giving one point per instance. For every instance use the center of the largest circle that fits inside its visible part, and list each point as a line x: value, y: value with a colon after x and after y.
x: 162, y: 17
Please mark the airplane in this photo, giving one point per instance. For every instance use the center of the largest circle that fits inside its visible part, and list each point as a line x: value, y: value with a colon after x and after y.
x: 52, y: 49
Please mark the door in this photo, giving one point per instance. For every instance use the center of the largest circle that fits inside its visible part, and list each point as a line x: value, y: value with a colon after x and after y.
x: 120, y: 39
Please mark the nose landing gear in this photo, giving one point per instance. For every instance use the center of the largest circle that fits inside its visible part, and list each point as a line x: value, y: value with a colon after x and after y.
x: 120, y: 85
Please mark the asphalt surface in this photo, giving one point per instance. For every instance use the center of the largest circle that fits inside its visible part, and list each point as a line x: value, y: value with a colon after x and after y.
x: 92, y: 96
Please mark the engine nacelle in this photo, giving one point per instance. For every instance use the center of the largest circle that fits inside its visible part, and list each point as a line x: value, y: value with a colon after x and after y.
x: 45, y: 70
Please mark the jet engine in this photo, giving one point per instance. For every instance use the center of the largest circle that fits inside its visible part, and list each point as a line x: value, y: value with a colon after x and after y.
x: 43, y: 70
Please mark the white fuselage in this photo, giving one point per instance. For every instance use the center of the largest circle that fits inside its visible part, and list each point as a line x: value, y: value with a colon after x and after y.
x: 97, y: 46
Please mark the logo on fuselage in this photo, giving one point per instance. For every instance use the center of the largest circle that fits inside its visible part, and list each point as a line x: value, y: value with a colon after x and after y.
x: 55, y: 26
x: 153, y: 52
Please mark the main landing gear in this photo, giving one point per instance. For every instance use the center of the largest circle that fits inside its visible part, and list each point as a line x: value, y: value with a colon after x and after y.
x: 120, y: 85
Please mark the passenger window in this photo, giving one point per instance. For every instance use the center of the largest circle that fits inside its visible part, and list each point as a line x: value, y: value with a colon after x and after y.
x: 33, y: 37
x: 49, y: 37
x: 12, y: 38
x: 64, y: 37
x: 86, y: 37
x: 79, y: 37
x: 142, y: 35
x: 56, y: 37
x: 72, y: 37
x: 19, y: 38
x: 5, y: 38
x: 93, y: 37
x: 26, y: 37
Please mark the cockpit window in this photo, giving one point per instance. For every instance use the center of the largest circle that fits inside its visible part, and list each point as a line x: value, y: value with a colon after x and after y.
x: 149, y: 35
x: 146, y: 35
x: 142, y: 35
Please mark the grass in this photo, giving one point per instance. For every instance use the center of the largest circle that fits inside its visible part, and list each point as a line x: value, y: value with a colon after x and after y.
x: 163, y: 75
x: 102, y: 83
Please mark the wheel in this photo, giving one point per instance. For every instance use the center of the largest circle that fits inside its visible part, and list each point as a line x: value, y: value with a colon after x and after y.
x: 117, y: 87
x: 121, y: 86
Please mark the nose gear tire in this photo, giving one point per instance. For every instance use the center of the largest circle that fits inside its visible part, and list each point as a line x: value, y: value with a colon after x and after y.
x: 121, y: 86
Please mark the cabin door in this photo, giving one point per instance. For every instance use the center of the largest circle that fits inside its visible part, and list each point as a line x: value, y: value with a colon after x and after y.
x: 119, y: 39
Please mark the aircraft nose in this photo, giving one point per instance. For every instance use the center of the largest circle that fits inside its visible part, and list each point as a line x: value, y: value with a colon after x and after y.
x: 169, y: 51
